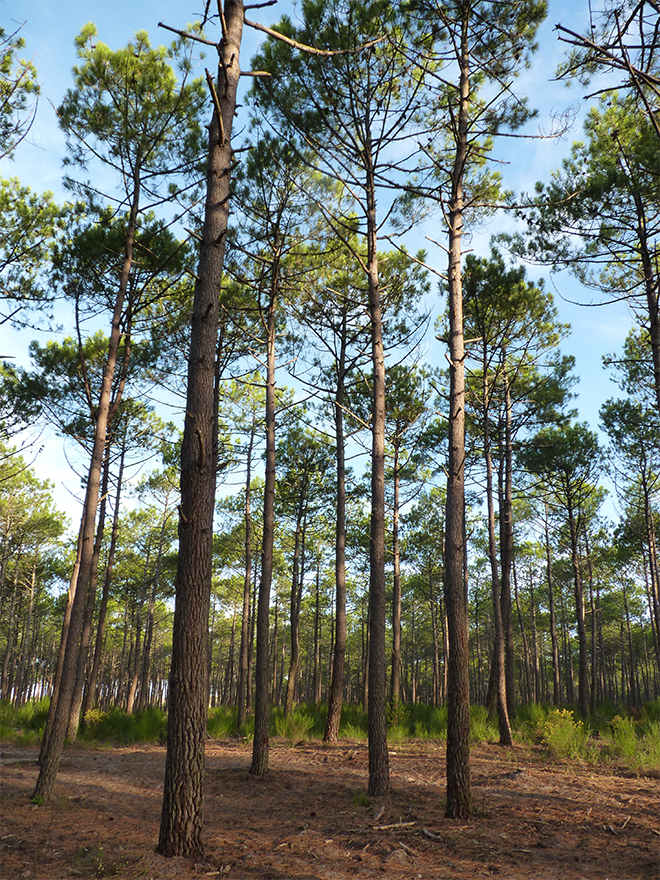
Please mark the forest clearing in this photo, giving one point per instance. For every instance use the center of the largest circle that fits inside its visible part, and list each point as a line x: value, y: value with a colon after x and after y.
x: 309, y: 816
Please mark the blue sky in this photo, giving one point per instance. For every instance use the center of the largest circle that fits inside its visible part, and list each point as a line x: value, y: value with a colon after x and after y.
x: 49, y: 29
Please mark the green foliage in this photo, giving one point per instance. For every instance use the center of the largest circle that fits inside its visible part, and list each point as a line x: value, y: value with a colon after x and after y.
x: 136, y: 109
x: 24, y: 725
x: 31, y: 224
x: 18, y: 86
x: 529, y: 721
x: 354, y: 723
x: 417, y: 721
x: 651, y: 712
x: 149, y: 725
x: 222, y: 722
x: 481, y: 729
x: 635, y: 743
x: 295, y: 727
x: 563, y: 736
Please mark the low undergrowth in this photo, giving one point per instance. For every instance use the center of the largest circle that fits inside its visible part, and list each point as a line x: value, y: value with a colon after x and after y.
x: 609, y: 738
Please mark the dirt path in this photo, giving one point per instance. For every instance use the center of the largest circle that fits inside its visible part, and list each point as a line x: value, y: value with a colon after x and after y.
x: 309, y: 818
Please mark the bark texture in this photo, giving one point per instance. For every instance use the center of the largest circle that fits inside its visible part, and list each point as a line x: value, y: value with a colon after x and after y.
x: 183, y: 793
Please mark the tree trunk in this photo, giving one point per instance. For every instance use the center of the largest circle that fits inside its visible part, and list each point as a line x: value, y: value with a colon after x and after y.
x: 90, y: 694
x: 103, y: 416
x: 556, y: 681
x: 379, y: 771
x: 62, y: 649
x: 243, y: 667
x: 506, y: 551
x: 499, y: 671
x: 260, y: 745
x: 339, y: 646
x: 183, y: 793
x: 86, y: 635
x: 458, y: 721
x: 583, y: 668
x: 395, y: 684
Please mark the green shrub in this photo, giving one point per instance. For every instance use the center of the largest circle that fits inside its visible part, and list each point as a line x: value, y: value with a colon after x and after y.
x: 25, y: 725
x: 651, y: 711
x: 354, y: 723
x: 563, y: 736
x: 530, y: 720
x: 352, y: 731
x: 650, y: 747
x: 426, y: 722
x: 623, y: 739
x: 481, y: 729
x: 636, y: 744
x: 222, y: 722
x: 115, y: 725
x: 294, y: 727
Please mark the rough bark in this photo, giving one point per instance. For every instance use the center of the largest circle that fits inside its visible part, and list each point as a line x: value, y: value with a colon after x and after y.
x: 458, y: 721
x: 183, y: 793
x: 379, y: 773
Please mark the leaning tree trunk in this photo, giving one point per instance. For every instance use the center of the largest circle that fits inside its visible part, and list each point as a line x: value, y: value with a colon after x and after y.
x: 183, y: 793
x: 104, y: 411
x: 86, y: 636
x: 90, y: 694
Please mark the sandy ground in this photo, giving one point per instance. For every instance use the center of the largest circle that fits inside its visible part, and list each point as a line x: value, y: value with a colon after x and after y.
x: 308, y: 818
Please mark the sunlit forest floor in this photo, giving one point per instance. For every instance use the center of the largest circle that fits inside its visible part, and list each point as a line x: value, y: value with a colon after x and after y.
x: 310, y: 818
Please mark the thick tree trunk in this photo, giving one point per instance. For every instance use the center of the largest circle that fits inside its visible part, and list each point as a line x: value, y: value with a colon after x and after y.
x: 62, y: 649
x: 316, y: 688
x: 183, y: 793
